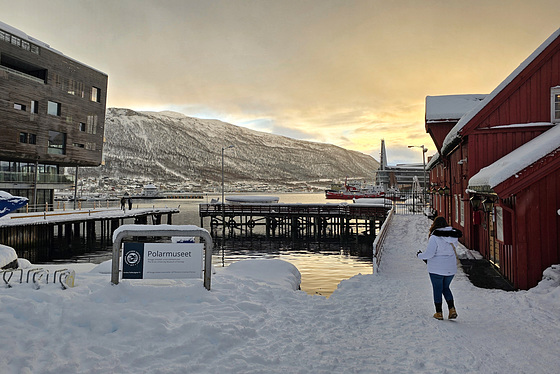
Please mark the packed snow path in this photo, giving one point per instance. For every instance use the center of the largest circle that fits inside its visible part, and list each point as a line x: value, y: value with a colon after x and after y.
x: 253, y: 322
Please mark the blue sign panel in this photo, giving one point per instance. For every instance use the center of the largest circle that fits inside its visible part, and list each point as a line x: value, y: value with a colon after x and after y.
x: 133, y: 261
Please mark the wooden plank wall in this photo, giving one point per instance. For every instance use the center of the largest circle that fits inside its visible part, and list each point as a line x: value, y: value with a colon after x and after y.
x: 16, y: 88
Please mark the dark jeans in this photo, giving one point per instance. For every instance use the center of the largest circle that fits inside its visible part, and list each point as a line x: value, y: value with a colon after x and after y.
x: 440, y: 284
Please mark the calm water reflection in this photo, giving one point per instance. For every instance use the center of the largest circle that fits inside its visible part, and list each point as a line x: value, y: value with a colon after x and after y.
x: 322, y: 265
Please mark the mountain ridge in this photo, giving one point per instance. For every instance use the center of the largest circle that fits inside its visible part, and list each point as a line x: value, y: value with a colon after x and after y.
x: 170, y: 146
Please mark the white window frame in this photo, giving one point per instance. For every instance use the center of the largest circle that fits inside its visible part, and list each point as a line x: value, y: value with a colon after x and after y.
x: 554, y: 99
x: 456, y: 197
x: 462, y: 203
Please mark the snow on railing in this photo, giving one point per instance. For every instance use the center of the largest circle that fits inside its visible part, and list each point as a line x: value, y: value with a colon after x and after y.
x: 380, y: 240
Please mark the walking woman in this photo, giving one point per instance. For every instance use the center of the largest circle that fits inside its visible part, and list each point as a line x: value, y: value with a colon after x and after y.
x: 441, y: 258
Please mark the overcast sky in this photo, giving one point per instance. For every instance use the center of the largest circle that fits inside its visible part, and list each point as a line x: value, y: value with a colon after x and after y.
x: 344, y: 72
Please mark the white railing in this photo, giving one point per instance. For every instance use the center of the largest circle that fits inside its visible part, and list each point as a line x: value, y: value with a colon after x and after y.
x: 380, y: 241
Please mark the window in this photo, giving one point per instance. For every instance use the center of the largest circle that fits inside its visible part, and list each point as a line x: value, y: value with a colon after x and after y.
x: 95, y: 94
x: 4, y: 36
x: 79, y: 145
x: 18, y: 106
x: 555, y: 104
x: 82, y: 126
x: 91, y: 127
x: 57, y: 143
x: 23, y: 137
x: 16, y: 41
x: 34, y: 106
x: 32, y: 139
x: 53, y: 108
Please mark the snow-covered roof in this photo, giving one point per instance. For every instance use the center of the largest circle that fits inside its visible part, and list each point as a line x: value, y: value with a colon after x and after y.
x: 20, y: 34
x: 454, y: 133
x: 450, y: 107
x: 514, y: 162
x: 433, y: 161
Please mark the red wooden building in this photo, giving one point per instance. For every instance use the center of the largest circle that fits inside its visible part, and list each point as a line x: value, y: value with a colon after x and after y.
x: 497, y: 174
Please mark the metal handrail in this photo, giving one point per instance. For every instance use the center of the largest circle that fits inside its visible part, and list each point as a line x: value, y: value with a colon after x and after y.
x: 378, y: 243
x: 290, y: 209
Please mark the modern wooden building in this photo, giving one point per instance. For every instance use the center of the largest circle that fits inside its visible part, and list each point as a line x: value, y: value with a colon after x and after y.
x: 52, y: 113
x: 498, y: 170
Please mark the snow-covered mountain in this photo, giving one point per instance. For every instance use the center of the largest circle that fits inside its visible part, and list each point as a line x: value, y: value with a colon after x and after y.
x: 169, y: 146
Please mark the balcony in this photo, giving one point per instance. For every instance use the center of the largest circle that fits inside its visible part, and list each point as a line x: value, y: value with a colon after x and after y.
x: 12, y: 178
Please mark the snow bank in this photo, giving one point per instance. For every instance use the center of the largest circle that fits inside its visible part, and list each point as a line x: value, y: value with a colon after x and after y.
x: 252, y: 321
x: 270, y: 272
x: 7, y: 255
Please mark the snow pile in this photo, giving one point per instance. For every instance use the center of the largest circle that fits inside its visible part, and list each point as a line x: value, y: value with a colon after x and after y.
x: 252, y: 321
x: 517, y: 160
x: 7, y: 255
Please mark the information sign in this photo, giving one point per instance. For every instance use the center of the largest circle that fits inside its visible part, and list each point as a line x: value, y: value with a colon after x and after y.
x: 162, y: 260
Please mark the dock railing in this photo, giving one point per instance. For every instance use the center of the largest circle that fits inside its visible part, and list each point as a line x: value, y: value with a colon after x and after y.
x: 380, y: 241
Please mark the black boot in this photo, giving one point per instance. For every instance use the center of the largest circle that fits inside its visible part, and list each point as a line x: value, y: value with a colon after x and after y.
x: 439, y: 313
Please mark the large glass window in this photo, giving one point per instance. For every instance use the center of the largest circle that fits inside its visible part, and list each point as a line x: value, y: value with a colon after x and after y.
x: 91, y: 124
x: 53, y: 108
x: 57, y: 143
x: 95, y: 94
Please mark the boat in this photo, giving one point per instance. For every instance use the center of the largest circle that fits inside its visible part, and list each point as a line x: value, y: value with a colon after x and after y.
x: 353, y: 191
x: 244, y: 199
x: 348, y: 191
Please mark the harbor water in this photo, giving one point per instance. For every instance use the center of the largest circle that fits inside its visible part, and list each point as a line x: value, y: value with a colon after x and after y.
x: 322, y: 265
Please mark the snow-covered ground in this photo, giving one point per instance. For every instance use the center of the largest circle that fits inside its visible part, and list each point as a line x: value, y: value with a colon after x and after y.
x: 253, y: 321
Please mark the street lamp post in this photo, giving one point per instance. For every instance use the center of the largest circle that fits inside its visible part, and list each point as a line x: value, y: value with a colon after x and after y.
x: 424, y: 150
x: 223, y: 201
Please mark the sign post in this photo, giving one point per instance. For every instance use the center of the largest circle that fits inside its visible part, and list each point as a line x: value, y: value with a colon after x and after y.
x: 162, y: 260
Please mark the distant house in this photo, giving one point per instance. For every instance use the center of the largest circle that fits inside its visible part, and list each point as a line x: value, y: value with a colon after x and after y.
x: 497, y: 174
x: 52, y: 114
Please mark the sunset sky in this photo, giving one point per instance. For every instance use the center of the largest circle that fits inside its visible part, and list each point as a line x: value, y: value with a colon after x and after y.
x: 344, y: 72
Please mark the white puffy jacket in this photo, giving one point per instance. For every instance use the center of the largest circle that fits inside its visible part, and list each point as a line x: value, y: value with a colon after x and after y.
x: 439, y: 253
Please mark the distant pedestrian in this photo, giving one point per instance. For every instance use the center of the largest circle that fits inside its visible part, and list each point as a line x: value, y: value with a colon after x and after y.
x: 441, y: 258
x: 129, y: 203
x: 123, y: 201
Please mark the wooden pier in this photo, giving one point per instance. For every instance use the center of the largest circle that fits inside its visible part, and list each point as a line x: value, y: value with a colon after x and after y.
x: 43, y: 236
x: 317, y: 221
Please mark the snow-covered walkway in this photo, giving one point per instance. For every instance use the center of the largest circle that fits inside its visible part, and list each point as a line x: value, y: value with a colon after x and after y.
x: 254, y: 322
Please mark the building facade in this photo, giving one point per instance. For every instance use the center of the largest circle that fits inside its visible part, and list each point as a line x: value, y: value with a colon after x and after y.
x: 498, y: 170
x: 52, y: 114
